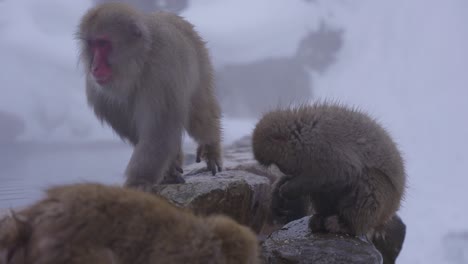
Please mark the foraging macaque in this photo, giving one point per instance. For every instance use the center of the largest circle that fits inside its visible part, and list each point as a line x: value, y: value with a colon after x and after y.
x: 343, y: 160
x: 149, y: 76
x: 97, y: 224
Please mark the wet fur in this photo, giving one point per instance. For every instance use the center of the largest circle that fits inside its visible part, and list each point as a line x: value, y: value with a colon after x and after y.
x: 92, y: 223
x: 340, y: 157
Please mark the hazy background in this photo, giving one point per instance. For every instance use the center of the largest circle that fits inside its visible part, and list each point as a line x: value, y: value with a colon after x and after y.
x: 404, y: 61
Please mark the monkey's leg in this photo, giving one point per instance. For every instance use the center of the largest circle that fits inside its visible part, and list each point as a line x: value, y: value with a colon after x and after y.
x: 334, y: 224
x: 317, y: 223
x: 154, y: 153
x: 360, y: 210
x: 175, y: 172
x: 340, y: 212
x: 325, y: 202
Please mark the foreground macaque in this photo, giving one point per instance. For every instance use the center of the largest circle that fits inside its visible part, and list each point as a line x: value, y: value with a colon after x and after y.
x: 341, y: 158
x: 149, y: 76
x: 96, y: 224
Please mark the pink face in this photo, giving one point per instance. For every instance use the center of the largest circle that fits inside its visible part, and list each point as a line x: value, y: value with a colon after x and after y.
x: 100, y: 48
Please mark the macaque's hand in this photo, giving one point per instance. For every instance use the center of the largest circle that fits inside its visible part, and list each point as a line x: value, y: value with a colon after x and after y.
x: 212, y: 155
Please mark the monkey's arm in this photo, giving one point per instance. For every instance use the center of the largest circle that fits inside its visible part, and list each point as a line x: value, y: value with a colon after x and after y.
x: 285, y: 210
x: 205, y: 127
x: 291, y: 187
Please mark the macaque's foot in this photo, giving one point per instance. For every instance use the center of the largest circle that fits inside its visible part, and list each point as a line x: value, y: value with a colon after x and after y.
x: 174, y: 176
x: 333, y: 224
x: 329, y: 224
x: 317, y: 224
x: 212, y: 155
x: 144, y: 186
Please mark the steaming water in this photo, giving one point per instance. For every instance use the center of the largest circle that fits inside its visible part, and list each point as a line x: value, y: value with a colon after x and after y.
x: 26, y: 170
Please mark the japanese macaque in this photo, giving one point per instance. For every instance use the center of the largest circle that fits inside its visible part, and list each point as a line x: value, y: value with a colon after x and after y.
x: 339, y: 158
x: 96, y: 224
x: 149, y: 77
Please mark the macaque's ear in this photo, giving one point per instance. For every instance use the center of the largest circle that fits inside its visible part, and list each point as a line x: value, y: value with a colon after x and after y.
x: 14, y: 234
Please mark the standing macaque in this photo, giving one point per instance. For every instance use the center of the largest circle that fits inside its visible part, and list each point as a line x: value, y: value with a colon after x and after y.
x: 149, y: 76
x: 97, y: 224
x: 342, y: 159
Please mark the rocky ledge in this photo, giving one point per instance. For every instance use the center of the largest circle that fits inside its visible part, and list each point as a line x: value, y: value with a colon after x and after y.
x: 239, y: 194
x: 293, y: 243
x: 242, y: 191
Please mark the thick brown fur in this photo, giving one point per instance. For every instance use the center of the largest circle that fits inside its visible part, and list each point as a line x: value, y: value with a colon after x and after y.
x: 161, y: 83
x: 92, y: 223
x: 340, y: 157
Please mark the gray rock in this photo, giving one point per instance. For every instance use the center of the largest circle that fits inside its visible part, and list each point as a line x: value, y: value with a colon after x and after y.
x: 238, y: 194
x: 294, y: 244
x: 391, y: 242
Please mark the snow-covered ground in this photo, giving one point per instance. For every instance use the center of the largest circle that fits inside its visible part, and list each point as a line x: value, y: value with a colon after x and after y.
x: 404, y: 61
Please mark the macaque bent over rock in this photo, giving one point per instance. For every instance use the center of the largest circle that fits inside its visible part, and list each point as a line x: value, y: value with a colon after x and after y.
x: 342, y: 159
x: 96, y: 224
x: 149, y: 77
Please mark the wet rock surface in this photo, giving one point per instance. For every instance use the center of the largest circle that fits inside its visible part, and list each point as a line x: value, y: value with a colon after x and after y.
x: 238, y: 194
x: 294, y: 244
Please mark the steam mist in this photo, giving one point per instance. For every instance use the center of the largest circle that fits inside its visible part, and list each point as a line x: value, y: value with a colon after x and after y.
x: 405, y: 62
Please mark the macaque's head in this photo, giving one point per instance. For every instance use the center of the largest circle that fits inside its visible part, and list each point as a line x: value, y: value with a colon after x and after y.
x: 276, y: 140
x: 114, y: 44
